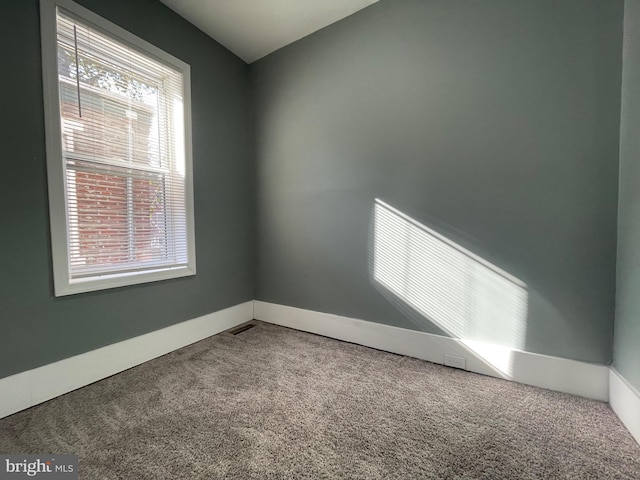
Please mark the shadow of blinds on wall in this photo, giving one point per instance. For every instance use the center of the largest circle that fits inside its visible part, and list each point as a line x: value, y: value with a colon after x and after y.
x: 463, y: 294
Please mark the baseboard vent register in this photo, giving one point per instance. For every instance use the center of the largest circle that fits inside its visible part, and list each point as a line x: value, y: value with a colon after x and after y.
x: 241, y: 329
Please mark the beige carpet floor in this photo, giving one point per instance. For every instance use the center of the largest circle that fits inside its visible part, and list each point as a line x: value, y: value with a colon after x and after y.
x: 277, y: 403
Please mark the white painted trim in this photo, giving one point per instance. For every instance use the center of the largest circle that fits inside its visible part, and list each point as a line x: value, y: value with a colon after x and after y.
x: 555, y: 373
x: 26, y: 389
x: 32, y: 387
x: 625, y: 401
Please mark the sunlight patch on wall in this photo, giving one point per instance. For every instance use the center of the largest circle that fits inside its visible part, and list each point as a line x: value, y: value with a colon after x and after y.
x: 460, y: 292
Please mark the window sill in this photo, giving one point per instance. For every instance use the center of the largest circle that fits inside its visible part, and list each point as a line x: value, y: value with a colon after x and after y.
x: 103, y: 282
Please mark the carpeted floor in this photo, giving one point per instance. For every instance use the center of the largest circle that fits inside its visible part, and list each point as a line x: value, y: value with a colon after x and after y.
x: 276, y: 403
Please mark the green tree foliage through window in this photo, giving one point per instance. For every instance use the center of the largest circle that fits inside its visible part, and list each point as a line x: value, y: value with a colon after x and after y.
x: 99, y: 73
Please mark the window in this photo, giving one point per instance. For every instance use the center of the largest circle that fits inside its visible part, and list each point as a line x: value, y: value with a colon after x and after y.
x: 117, y: 116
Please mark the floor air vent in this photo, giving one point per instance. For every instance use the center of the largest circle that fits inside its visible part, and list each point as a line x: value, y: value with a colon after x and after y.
x: 243, y: 328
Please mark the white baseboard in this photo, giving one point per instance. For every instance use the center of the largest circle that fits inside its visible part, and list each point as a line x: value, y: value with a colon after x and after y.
x: 32, y: 387
x: 625, y: 401
x: 560, y: 374
x: 25, y: 389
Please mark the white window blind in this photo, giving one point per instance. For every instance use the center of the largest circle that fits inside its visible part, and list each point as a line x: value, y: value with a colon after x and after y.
x: 123, y: 159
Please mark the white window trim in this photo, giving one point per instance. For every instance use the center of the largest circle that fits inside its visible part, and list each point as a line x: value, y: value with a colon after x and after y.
x: 63, y: 285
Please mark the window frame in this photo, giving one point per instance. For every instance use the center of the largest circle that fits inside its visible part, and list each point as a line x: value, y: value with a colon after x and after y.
x: 56, y: 170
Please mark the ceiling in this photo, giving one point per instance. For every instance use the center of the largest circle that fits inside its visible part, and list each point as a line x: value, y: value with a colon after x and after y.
x: 254, y: 28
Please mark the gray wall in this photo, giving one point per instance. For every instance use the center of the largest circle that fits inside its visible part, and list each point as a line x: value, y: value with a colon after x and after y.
x: 626, y: 347
x: 35, y: 327
x: 495, y: 123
